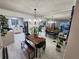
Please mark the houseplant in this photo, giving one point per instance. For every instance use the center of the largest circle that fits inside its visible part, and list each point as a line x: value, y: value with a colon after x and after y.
x: 3, y: 31
x: 3, y: 25
x: 34, y: 30
x: 60, y: 42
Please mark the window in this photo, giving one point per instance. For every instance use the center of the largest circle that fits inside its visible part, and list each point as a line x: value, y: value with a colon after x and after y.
x: 14, y: 22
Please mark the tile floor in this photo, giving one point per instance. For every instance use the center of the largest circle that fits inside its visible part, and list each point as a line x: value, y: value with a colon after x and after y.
x: 15, y: 52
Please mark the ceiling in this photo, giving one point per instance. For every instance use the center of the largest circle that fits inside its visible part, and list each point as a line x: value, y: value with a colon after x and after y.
x: 46, y: 8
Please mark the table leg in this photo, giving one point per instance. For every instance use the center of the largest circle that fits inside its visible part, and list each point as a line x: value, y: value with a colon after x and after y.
x: 44, y: 47
x: 36, y: 52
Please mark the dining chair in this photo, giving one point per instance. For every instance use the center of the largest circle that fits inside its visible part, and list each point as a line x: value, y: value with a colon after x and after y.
x: 41, y: 45
x: 28, y: 49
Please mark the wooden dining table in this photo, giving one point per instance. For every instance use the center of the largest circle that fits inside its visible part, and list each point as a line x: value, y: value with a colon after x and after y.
x: 36, y: 40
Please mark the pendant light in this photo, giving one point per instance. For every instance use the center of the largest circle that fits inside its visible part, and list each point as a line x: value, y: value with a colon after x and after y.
x: 35, y: 15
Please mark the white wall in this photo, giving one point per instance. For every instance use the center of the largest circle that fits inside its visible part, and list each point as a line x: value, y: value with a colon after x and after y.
x: 72, y: 49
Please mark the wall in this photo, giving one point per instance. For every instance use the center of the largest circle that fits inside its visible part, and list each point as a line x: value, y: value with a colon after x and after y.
x: 72, y: 49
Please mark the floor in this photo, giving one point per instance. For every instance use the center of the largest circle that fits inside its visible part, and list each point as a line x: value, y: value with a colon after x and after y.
x: 15, y: 52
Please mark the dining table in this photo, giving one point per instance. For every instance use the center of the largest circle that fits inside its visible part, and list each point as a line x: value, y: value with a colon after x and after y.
x: 38, y: 41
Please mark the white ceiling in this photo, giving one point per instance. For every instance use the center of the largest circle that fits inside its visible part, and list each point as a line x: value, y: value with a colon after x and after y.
x: 46, y: 8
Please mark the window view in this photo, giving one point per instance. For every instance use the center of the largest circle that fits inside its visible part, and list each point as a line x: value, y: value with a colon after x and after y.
x: 35, y: 29
x: 14, y: 22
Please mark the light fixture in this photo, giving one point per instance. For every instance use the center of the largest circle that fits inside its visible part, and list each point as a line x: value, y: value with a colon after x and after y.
x: 52, y: 22
x: 29, y: 20
x: 35, y: 16
x: 14, y: 18
x: 40, y: 20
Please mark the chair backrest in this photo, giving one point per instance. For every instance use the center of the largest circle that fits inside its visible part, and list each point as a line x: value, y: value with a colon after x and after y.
x: 8, y: 38
x: 30, y: 46
x: 41, y: 44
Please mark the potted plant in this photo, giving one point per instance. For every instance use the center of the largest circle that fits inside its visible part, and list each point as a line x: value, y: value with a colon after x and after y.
x: 34, y: 30
x: 59, y: 45
x: 60, y: 42
x: 3, y: 31
x: 3, y: 25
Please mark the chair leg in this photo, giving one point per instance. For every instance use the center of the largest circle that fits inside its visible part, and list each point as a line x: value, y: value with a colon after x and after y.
x: 39, y: 52
x: 44, y: 47
x: 34, y: 54
x: 5, y: 53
